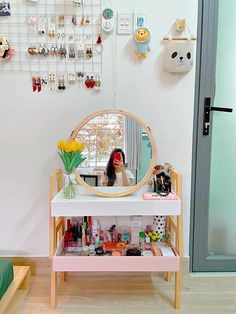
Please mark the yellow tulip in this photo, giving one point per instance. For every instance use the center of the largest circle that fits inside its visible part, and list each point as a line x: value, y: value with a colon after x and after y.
x: 61, y: 144
x: 70, y: 146
x: 73, y: 146
x: 80, y: 146
x: 67, y: 148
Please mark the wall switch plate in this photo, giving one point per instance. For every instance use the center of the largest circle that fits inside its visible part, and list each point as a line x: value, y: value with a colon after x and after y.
x: 124, y: 23
x: 140, y: 19
x: 136, y: 221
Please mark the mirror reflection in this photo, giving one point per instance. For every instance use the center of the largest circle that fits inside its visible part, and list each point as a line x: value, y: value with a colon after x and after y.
x: 117, y: 149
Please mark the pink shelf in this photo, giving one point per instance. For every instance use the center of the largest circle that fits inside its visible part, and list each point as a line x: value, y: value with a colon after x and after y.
x: 115, y: 263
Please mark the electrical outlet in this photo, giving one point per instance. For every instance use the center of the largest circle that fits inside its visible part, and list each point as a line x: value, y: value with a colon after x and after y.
x: 136, y: 221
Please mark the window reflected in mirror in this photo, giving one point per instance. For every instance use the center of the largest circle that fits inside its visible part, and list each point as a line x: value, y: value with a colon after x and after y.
x: 118, y: 151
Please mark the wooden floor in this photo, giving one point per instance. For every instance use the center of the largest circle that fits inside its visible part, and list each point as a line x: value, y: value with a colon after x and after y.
x: 138, y: 293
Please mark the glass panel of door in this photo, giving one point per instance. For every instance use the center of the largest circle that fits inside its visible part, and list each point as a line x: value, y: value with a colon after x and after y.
x: 222, y: 197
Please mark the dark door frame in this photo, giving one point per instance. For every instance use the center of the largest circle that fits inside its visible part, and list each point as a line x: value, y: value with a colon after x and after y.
x: 208, y: 11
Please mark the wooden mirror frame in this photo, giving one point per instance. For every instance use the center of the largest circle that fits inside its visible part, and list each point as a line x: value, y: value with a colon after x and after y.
x: 152, y: 163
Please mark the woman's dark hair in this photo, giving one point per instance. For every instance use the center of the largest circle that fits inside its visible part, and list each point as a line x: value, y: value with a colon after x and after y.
x: 110, y: 169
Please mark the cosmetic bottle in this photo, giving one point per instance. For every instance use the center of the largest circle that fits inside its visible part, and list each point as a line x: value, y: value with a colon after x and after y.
x: 85, y: 250
x: 83, y: 236
x: 68, y: 225
x: 70, y: 241
x: 66, y: 240
x: 101, y: 235
x: 147, y: 245
x: 95, y: 231
x: 141, y: 239
x: 126, y: 237
x: 79, y: 240
x: 135, y: 234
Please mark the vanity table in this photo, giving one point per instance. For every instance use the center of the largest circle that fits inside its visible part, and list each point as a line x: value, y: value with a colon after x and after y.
x: 87, y: 204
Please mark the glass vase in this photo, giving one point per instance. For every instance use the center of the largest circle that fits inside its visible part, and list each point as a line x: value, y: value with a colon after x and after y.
x: 68, y: 187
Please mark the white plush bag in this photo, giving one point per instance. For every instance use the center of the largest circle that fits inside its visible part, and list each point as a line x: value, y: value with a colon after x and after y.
x: 179, y: 56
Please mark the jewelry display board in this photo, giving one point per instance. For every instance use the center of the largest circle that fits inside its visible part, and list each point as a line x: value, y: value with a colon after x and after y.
x: 58, y: 42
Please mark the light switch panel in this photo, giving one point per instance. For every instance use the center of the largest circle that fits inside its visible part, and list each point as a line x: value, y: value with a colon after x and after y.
x: 124, y: 23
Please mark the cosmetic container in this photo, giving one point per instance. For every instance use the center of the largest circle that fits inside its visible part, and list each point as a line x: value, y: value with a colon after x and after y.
x: 142, y: 240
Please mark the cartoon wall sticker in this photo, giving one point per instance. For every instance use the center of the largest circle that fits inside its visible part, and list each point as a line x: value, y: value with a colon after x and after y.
x: 142, y: 38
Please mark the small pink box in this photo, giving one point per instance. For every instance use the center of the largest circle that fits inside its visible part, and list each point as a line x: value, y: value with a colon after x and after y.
x: 155, y: 196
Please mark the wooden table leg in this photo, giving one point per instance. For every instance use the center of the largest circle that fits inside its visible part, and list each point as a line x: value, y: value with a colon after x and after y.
x: 177, y: 290
x: 168, y: 276
x: 53, y: 290
x: 63, y: 276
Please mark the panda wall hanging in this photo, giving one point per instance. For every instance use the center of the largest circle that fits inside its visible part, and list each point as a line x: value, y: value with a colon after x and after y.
x: 142, y: 38
x: 179, y: 54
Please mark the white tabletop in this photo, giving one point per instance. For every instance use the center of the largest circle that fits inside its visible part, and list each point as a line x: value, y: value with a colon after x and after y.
x: 85, y: 204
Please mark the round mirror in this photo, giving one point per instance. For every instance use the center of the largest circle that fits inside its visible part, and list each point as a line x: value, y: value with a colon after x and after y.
x: 120, y: 153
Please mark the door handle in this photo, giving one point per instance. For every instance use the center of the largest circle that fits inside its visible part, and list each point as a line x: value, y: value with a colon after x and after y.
x: 222, y: 109
x: 207, y: 111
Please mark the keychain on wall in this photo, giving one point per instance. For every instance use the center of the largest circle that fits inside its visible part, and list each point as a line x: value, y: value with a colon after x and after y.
x: 5, y: 9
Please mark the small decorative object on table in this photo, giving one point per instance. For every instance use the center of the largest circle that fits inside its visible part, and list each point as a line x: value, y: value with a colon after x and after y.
x: 71, y: 156
x: 142, y: 39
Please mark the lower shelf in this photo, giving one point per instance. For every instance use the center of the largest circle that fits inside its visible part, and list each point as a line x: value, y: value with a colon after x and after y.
x: 115, y: 263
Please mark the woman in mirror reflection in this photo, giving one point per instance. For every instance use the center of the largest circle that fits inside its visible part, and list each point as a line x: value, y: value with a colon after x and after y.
x: 116, y: 174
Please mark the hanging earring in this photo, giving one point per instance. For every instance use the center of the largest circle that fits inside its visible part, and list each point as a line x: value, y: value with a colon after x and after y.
x: 38, y: 84
x: 87, y: 21
x: 74, y: 20
x: 72, y: 51
x: 63, y: 83
x: 80, y: 76
x: 46, y: 51
x: 59, y: 83
x: 98, y: 47
x: 34, y: 83
x: 87, y: 82
x: 79, y: 2
x: 98, y: 82
x: 52, y: 79
x: 80, y: 50
x: 52, y: 27
x: 41, y: 26
x: 92, y: 82
x: 82, y: 20
x: 88, y: 51
x: 71, y: 78
x: 44, y: 80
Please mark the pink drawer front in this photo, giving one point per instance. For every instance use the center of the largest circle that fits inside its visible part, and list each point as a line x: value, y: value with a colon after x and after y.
x: 116, y: 263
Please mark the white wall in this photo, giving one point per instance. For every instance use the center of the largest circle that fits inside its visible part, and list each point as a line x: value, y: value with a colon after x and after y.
x: 31, y: 124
